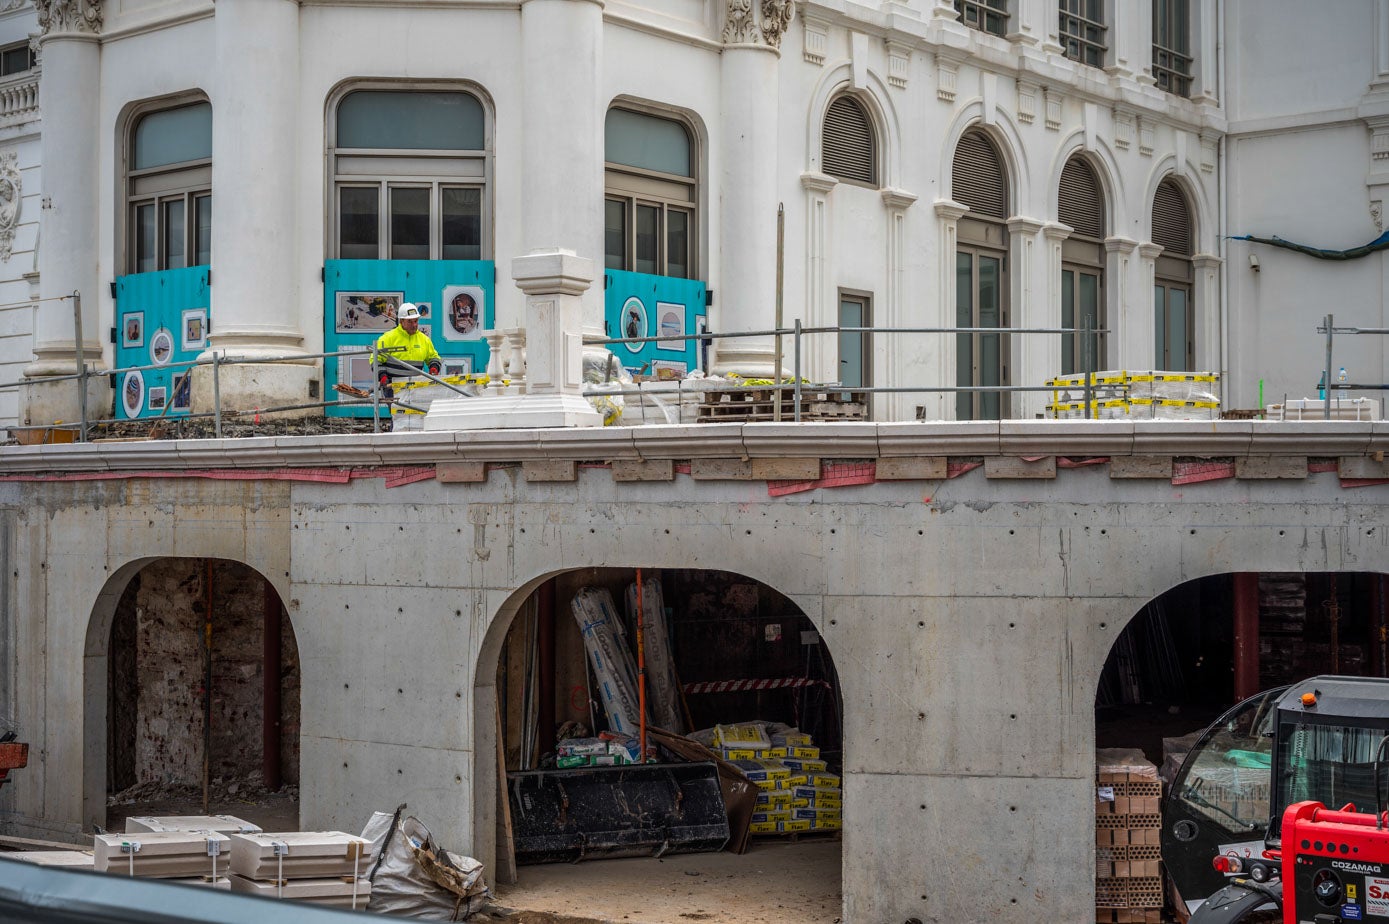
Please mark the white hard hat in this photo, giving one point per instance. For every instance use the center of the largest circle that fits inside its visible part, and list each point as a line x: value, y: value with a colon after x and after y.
x: 407, y: 311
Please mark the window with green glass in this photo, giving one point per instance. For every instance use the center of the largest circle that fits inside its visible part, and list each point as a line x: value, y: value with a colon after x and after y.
x: 411, y: 171
x: 169, y: 189
x: 649, y: 207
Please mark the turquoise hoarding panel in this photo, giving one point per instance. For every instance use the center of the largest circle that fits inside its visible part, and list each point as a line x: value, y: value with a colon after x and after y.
x: 359, y: 302
x: 642, y: 305
x: 161, y: 318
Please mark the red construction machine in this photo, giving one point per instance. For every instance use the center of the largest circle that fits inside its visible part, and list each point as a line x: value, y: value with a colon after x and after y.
x: 1247, y: 815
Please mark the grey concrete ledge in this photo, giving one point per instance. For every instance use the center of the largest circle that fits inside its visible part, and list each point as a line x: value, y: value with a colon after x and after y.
x: 850, y: 440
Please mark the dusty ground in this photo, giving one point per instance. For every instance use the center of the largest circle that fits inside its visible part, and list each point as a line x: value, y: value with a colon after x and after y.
x: 777, y: 882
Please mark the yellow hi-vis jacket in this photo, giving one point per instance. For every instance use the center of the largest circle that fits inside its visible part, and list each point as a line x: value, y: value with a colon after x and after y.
x: 410, y: 348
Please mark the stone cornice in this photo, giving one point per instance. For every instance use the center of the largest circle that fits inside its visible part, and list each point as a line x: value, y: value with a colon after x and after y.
x: 818, y: 182
x: 1150, y: 251
x: 1056, y: 231
x: 1119, y: 245
x: 1201, y: 439
x: 1021, y: 224
x: 898, y: 198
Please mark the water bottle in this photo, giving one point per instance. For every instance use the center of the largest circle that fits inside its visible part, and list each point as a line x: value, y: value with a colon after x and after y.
x: 1341, y: 393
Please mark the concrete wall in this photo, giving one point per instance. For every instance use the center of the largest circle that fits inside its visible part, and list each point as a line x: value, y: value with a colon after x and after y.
x: 969, y: 619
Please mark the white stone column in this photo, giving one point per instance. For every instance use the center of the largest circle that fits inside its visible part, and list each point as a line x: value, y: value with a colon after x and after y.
x: 1027, y: 277
x: 1055, y: 233
x: 554, y: 283
x: 892, y: 348
x: 562, y: 116
x: 1130, y: 40
x: 745, y: 298
x: 940, y: 350
x: 258, y: 309
x: 1122, y: 316
x: 1205, y: 50
x: 1040, y: 20
x: 69, y: 94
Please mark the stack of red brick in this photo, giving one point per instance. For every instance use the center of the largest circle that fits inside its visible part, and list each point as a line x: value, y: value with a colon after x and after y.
x: 1128, y: 823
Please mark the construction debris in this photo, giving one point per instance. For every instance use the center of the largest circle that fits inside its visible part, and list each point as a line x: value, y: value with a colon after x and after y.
x: 416, y: 878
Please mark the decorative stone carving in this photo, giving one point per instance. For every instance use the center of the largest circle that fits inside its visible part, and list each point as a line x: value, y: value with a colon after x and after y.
x: 739, y: 28
x: 899, y: 59
x: 1377, y: 214
x: 947, y: 72
x: 776, y: 18
x: 1053, y: 104
x: 10, y: 198
x: 1145, y: 139
x: 1123, y: 129
x: 1027, y: 102
x: 69, y: 15
x: 9, y: 5
x: 817, y: 40
x: 757, y: 22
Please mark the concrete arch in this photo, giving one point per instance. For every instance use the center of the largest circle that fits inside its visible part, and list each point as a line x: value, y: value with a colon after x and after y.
x: 1005, y: 136
x: 1101, y: 160
x: 96, y: 668
x: 485, y: 703
x: 1197, y: 199
x: 882, y: 113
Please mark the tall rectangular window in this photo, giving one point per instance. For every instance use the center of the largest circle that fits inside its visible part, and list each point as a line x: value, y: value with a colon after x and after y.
x: 985, y: 15
x: 409, y: 223
x: 979, y: 357
x: 462, y: 214
x: 16, y: 59
x: 1082, y: 31
x: 1081, y: 301
x: 649, y: 209
x: 1172, y: 327
x: 359, y: 232
x: 411, y: 170
x: 1172, y: 46
x: 168, y: 189
x: 855, y: 346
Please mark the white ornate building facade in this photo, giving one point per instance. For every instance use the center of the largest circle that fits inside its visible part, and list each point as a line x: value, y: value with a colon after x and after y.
x: 1013, y: 164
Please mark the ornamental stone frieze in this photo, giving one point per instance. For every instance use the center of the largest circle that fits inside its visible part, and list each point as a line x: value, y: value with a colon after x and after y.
x: 69, y: 15
x: 10, y: 198
x: 757, y: 22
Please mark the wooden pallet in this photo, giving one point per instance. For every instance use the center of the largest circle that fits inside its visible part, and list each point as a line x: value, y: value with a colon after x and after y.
x: 757, y: 404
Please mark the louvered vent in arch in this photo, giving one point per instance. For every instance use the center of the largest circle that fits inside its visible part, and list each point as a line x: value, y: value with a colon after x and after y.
x: 1080, y: 201
x: 1171, y: 220
x: 977, y: 177
x: 848, y: 151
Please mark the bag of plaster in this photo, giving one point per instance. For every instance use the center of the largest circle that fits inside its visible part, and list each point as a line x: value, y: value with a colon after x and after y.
x: 415, y: 878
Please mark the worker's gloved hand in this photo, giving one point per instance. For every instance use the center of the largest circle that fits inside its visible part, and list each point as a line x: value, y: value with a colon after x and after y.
x: 433, y: 367
x: 384, y: 380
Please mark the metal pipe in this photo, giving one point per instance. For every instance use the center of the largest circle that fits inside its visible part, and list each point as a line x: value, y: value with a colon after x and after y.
x: 545, y: 636
x: 797, y: 371
x: 607, y: 341
x: 641, y: 669
x: 217, y: 394
x: 375, y: 395
x: 81, y: 362
x: 271, y: 709
x: 1246, y: 603
x: 780, y: 282
x: 1326, y: 389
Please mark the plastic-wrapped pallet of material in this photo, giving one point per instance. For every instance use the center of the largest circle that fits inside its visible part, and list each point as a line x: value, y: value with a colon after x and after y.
x: 226, y: 824
x: 663, y: 689
x: 608, y: 652
x: 1315, y: 409
x: 1173, y: 409
x: 1173, y: 386
x: 163, y: 854
x: 299, y: 855
x: 1105, y: 409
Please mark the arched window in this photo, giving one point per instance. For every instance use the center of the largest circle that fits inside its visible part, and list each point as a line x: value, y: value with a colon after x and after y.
x: 169, y: 189
x: 410, y: 176
x: 1173, y: 312
x: 849, y: 149
x: 650, y: 186
x: 1080, y: 203
x: 978, y: 180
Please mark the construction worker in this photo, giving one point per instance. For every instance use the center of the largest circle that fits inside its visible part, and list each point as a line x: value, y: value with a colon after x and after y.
x: 407, y: 345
